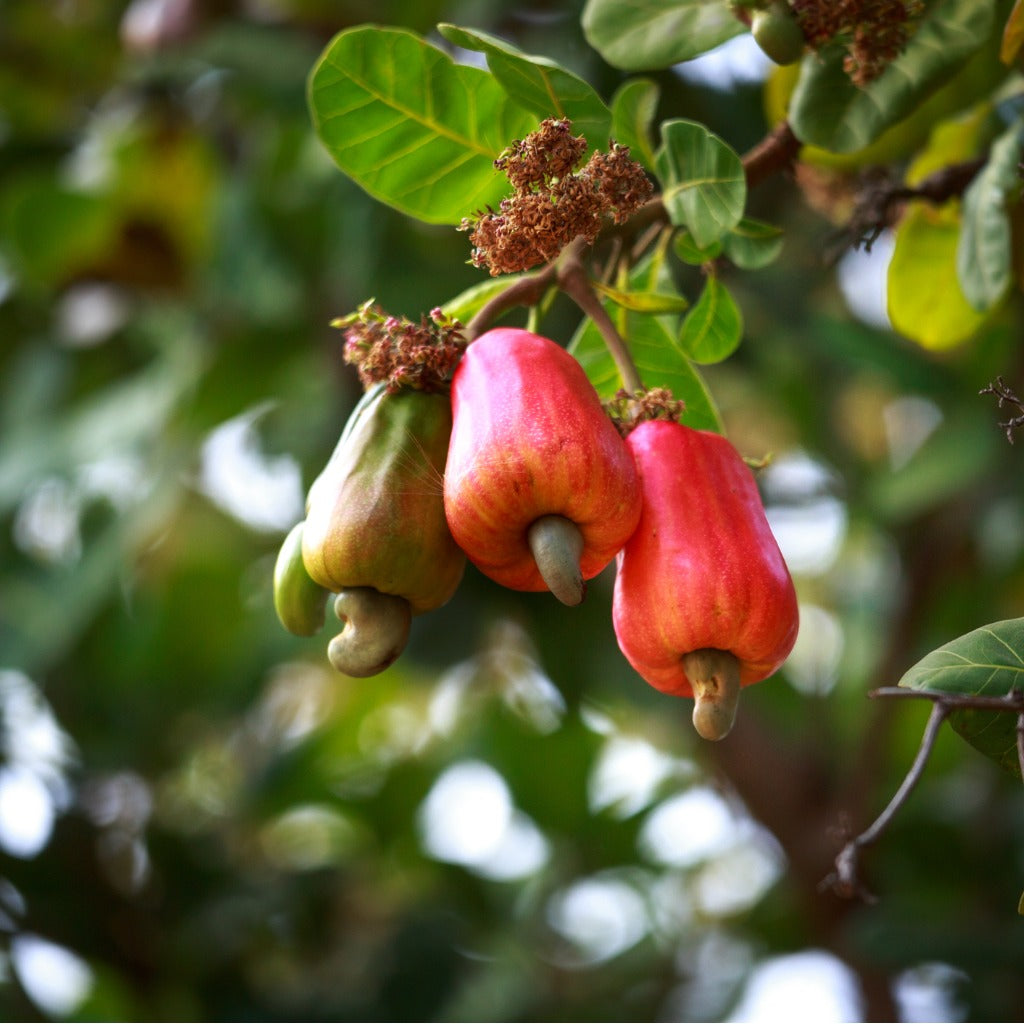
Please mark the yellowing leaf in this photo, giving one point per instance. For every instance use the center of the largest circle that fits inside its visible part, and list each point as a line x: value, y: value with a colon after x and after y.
x: 1013, y: 34
x: 926, y: 303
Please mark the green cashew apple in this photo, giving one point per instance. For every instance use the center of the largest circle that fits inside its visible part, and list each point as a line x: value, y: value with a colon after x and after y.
x: 299, y: 601
x: 375, y: 522
x: 777, y: 32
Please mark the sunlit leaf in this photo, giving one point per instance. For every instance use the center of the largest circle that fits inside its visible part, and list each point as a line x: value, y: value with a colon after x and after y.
x: 987, y: 662
x: 753, y: 244
x: 539, y: 85
x: 634, y: 106
x: 655, y: 34
x: 410, y: 126
x: 713, y: 329
x: 984, y: 255
x: 828, y: 110
x: 704, y: 187
x: 924, y: 297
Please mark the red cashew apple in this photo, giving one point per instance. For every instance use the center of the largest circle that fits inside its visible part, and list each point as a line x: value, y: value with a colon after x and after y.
x: 703, y: 601
x: 540, y: 490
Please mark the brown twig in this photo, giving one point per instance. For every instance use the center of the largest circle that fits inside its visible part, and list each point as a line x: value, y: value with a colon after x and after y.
x: 845, y: 881
x: 574, y: 281
x: 1006, y: 395
x: 774, y: 154
x: 881, y: 199
x: 524, y: 291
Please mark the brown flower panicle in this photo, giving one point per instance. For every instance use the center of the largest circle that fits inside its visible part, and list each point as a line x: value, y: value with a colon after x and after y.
x: 628, y: 410
x: 400, y: 353
x: 874, y: 32
x: 552, y: 203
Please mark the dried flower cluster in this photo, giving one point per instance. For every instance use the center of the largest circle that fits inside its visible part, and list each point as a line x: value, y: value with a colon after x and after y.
x: 630, y: 410
x: 395, y: 350
x: 874, y: 31
x: 552, y: 203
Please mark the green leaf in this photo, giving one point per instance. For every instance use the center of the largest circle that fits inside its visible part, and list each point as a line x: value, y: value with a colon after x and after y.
x: 634, y: 106
x: 655, y: 34
x: 924, y: 298
x: 51, y: 232
x: 410, y: 126
x: 828, y: 110
x: 984, y: 257
x: 539, y: 85
x: 651, y: 341
x: 713, y: 329
x: 703, y: 184
x: 987, y: 662
x: 644, y: 302
x: 753, y: 244
x: 689, y: 252
x: 464, y: 306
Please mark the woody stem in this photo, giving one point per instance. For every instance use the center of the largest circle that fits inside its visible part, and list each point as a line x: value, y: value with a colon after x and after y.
x: 573, y: 280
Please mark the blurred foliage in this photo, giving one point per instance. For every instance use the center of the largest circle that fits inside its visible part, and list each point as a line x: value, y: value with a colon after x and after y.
x: 213, y: 824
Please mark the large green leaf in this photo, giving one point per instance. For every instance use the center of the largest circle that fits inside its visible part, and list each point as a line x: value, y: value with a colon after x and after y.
x: 984, y: 257
x: 654, y: 34
x: 410, y: 126
x: 987, y: 662
x: 829, y: 111
x: 539, y: 85
x: 713, y: 328
x: 634, y: 106
x: 703, y: 185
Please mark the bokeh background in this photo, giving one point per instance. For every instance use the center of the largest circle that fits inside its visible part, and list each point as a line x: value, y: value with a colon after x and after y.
x: 199, y: 820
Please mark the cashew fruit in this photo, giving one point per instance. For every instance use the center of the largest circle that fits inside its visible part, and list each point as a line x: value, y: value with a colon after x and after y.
x: 299, y: 601
x: 375, y: 628
x: 540, y: 491
x: 375, y: 521
x: 703, y: 601
x: 777, y: 32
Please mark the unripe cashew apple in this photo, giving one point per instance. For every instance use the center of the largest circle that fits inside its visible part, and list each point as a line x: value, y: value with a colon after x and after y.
x: 375, y: 522
x: 298, y: 600
x: 777, y: 32
x: 703, y: 601
x: 540, y: 490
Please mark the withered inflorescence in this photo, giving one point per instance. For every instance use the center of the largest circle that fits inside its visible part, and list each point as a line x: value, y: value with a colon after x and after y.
x: 552, y: 203
x: 402, y: 353
x: 873, y: 31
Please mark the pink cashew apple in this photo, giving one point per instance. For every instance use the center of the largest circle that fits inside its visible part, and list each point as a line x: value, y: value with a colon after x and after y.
x: 540, y: 490
x: 703, y: 601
